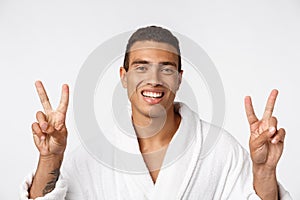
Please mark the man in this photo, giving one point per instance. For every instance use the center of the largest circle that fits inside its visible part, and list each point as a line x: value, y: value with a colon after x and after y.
x: 152, y: 75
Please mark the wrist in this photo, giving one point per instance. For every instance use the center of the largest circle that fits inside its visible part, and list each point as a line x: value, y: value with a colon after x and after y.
x: 265, y: 182
x: 266, y: 172
x: 52, y: 158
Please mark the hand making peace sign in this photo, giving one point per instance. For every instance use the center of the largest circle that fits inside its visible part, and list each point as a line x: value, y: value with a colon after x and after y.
x: 50, y: 133
x: 266, y: 142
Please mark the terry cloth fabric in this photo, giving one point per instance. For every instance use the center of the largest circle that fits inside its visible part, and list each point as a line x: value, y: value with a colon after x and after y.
x: 202, y: 162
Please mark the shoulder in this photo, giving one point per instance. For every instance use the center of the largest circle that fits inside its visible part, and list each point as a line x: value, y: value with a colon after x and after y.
x: 218, y: 137
x: 218, y: 141
x: 213, y: 138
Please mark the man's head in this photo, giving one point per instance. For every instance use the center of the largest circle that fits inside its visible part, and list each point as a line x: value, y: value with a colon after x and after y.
x: 152, y: 33
x: 152, y: 71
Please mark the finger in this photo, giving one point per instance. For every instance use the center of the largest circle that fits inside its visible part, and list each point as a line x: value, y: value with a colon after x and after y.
x: 43, y: 97
x: 249, y: 110
x: 45, y: 125
x: 42, y: 120
x: 64, y: 101
x: 272, y: 123
x: 279, y: 137
x: 262, y: 138
x: 36, y: 129
x: 270, y: 104
x: 37, y: 140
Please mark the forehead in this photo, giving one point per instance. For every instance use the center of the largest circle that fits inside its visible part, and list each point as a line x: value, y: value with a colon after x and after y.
x: 153, y: 52
x: 143, y: 45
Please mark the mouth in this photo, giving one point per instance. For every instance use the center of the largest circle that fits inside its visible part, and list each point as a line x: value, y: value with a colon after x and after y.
x: 152, y: 94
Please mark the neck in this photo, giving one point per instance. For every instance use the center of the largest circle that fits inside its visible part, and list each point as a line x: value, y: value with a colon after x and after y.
x: 155, y: 133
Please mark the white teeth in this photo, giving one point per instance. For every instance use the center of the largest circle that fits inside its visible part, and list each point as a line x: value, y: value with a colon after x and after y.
x: 152, y: 94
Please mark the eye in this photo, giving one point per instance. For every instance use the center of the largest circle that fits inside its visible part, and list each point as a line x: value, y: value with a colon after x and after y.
x: 141, y: 68
x: 168, y: 70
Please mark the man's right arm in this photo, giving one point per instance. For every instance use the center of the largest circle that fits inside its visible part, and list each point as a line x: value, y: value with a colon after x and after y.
x: 50, y: 138
x: 46, y: 176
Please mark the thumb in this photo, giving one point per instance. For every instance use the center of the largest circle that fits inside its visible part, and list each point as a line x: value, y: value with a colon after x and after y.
x: 263, y: 138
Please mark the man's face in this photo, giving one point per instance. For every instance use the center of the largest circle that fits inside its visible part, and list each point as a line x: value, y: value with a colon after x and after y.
x: 152, y: 78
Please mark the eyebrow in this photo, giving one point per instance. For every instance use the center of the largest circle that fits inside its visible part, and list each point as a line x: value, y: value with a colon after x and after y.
x: 147, y: 62
x: 168, y: 63
x: 140, y: 62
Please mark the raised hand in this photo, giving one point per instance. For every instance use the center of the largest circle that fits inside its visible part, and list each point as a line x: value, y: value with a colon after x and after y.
x: 50, y: 133
x: 266, y: 142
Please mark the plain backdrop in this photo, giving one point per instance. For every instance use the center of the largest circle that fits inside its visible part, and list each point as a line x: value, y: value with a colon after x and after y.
x: 255, y: 46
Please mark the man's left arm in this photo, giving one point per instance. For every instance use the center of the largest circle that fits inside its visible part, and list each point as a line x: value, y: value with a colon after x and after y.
x: 266, y: 146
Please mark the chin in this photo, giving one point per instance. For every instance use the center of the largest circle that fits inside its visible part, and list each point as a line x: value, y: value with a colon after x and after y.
x: 151, y: 111
x: 157, y: 111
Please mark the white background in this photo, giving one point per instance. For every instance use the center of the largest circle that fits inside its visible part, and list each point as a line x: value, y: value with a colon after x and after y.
x: 255, y: 46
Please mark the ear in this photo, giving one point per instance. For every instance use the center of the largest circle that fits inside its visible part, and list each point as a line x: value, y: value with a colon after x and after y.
x: 179, y: 78
x: 123, y: 77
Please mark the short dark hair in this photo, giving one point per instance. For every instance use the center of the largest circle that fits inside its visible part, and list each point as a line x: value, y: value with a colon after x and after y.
x: 152, y: 33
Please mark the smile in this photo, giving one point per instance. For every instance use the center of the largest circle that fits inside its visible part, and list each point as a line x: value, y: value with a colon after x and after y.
x: 151, y: 94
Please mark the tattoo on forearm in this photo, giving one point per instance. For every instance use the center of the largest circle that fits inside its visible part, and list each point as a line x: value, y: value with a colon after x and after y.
x: 51, y: 184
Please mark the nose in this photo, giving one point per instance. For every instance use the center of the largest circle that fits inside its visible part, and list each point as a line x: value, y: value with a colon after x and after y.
x: 154, y: 78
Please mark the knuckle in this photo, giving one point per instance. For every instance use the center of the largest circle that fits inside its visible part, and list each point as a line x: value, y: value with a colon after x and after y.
x: 273, y: 121
x: 33, y: 126
x: 36, y: 128
x: 39, y: 114
x: 50, y: 130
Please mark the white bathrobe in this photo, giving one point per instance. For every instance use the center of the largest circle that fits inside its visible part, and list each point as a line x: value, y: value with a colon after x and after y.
x: 211, y: 165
